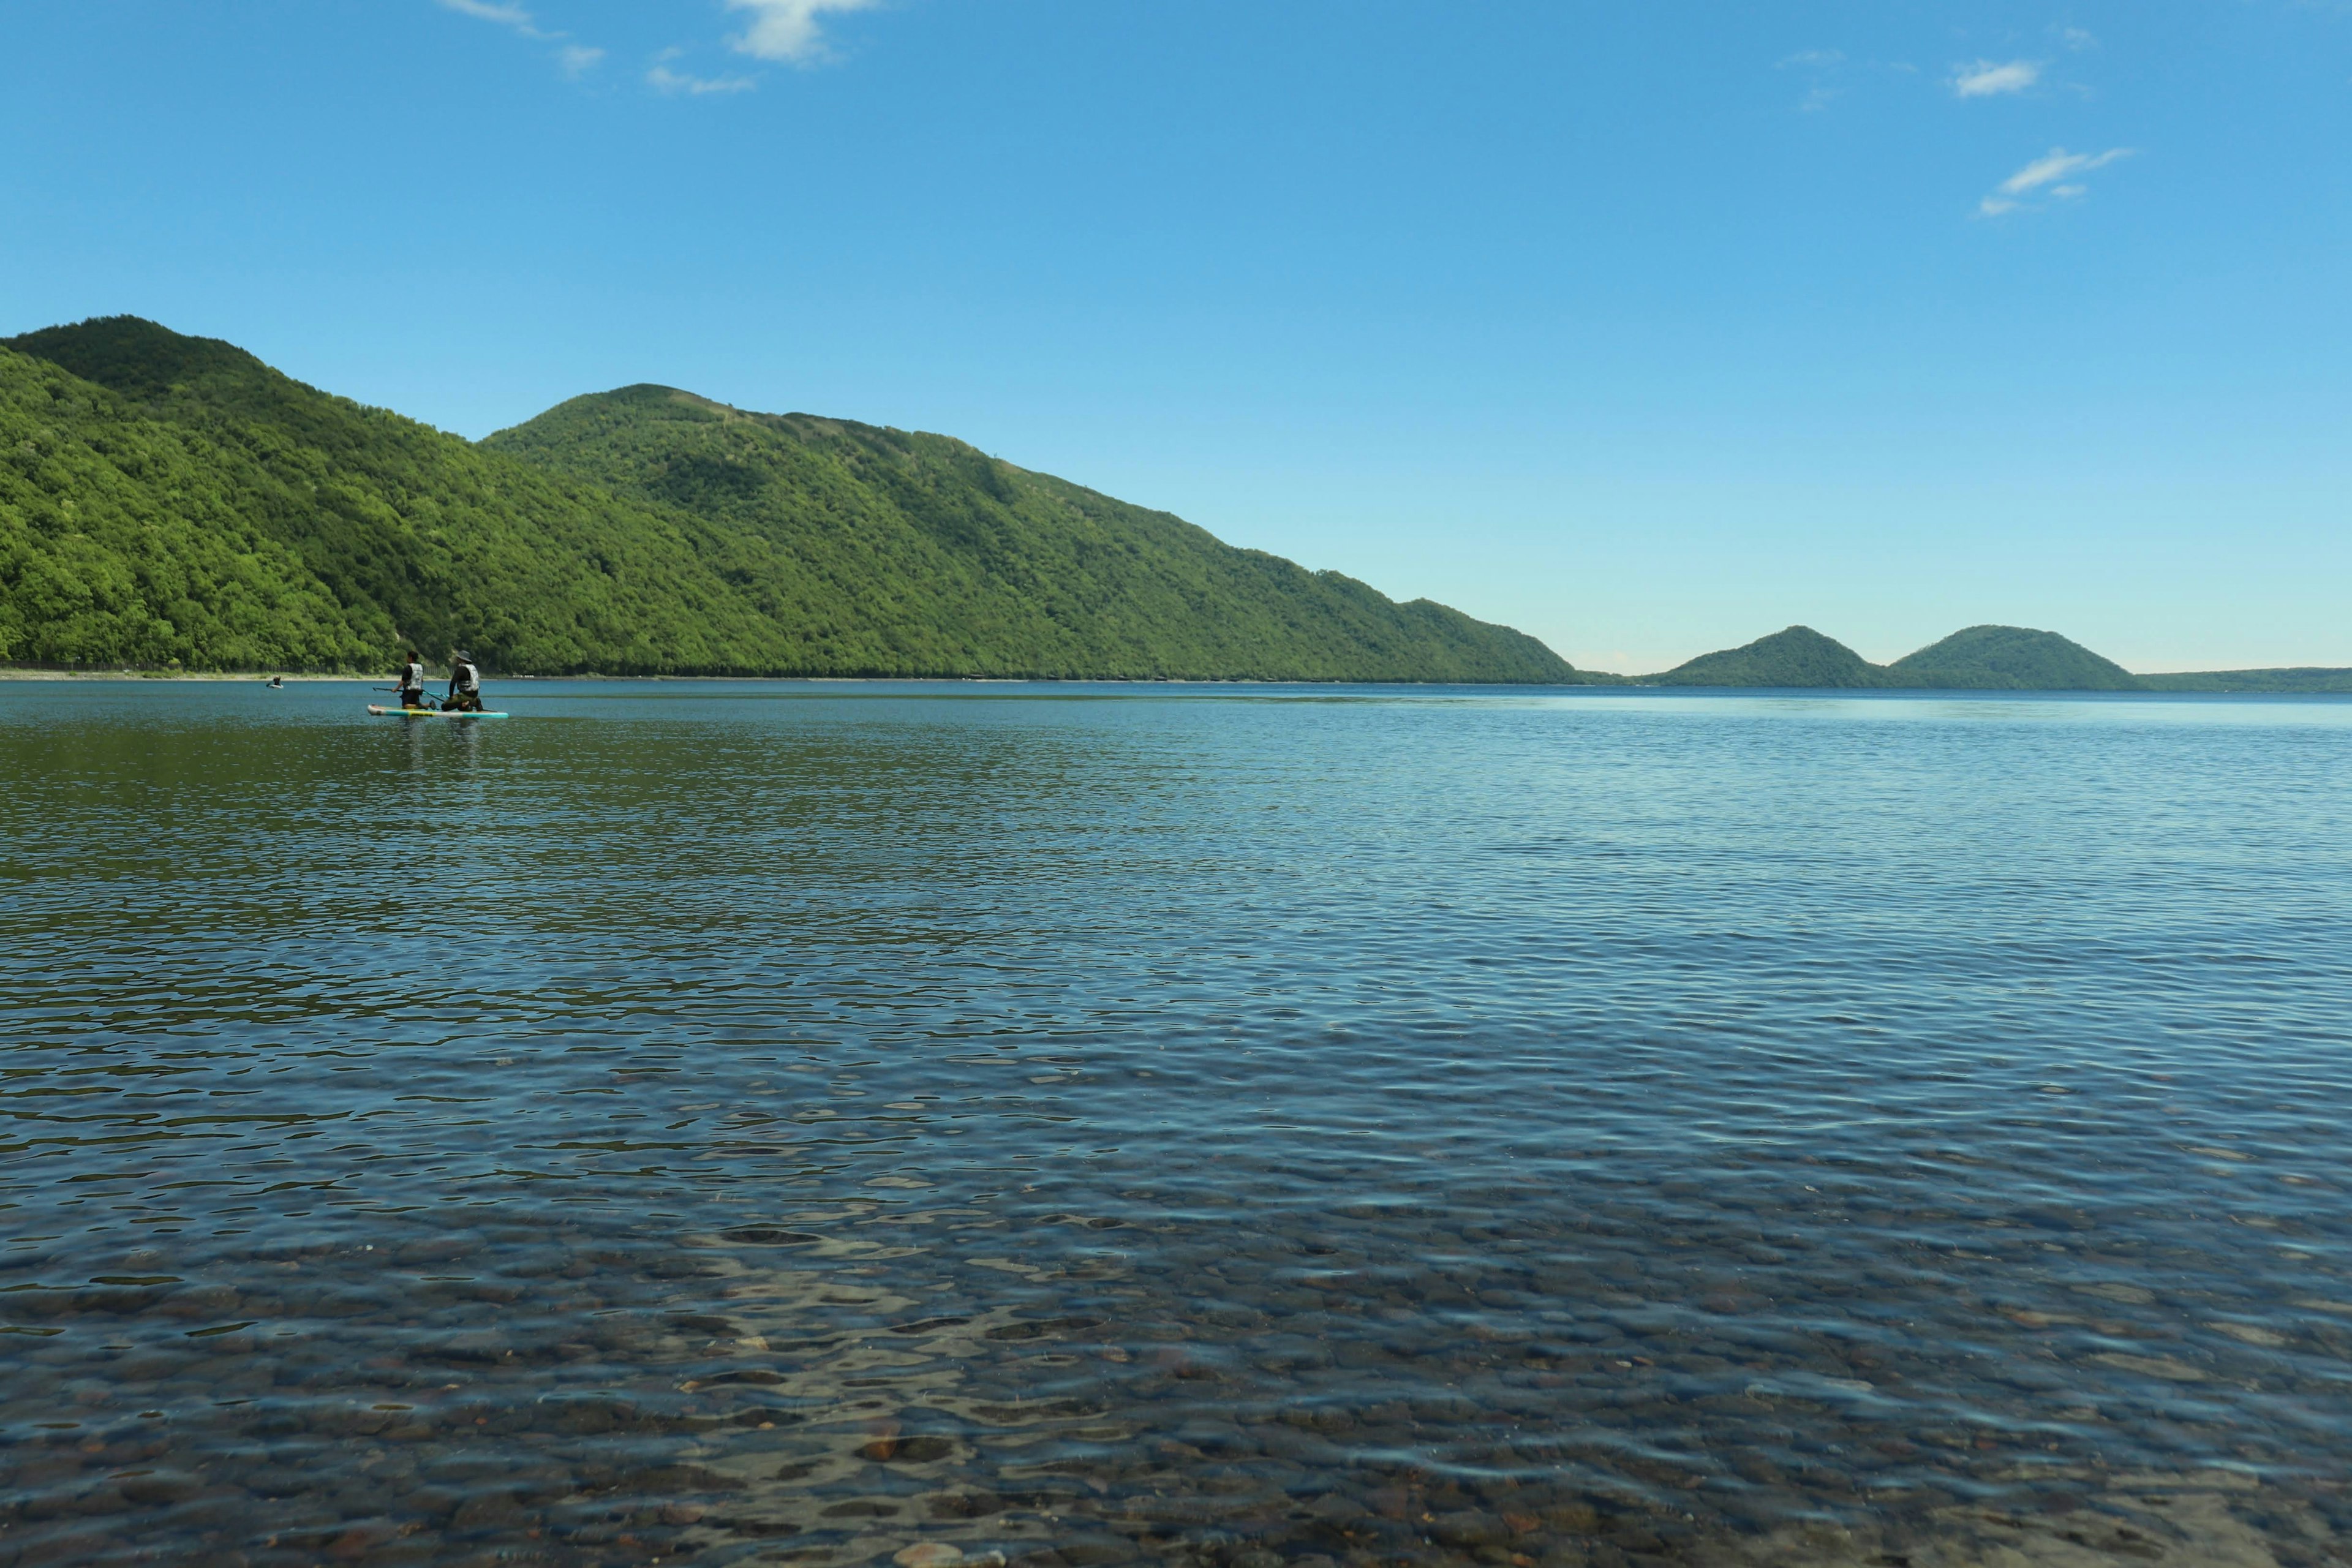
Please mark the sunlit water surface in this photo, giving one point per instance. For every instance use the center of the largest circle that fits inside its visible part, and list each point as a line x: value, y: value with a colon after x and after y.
x: 830, y: 1123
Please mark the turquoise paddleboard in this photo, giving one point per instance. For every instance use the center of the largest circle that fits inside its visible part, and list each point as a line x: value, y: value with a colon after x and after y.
x: 427, y: 713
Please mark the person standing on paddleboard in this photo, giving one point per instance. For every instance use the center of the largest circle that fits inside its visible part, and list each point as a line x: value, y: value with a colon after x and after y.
x: 412, y: 682
x: 465, y: 685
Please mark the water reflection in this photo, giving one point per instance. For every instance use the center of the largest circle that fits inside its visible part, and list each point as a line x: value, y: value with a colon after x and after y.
x: 727, y: 1129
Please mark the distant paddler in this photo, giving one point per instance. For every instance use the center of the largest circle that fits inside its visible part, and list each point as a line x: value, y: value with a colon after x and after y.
x: 465, y: 685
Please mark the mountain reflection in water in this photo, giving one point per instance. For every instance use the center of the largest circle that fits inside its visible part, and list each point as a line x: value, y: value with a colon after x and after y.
x: 751, y: 1122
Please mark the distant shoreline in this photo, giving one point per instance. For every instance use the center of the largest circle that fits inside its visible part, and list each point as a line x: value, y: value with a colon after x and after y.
x: 263, y: 675
x: 1620, y: 683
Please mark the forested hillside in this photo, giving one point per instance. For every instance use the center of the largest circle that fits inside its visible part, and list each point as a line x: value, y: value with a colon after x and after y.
x: 127, y: 541
x: 2010, y: 659
x: 173, y: 500
x: 887, y: 551
x: 1799, y: 656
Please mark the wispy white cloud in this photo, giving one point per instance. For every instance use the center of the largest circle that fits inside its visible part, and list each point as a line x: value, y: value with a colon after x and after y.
x: 1992, y: 79
x: 789, y: 30
x: 2055, y: 175
x: 664, y: 79
x: 2077, y: 38
x: 1832, y: 74
x: 505, y: 13
x: 2057, y: 164
x: 1821, y: 65
x: 575, y: 59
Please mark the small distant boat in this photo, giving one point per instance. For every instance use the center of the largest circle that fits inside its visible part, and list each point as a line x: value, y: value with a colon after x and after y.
x: 427, y: 713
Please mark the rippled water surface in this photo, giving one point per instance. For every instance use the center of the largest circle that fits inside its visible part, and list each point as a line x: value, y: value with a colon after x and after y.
x: 714, y: 1123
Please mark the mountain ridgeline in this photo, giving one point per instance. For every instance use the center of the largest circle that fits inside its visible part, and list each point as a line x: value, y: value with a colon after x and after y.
x: 885, y: 551
x: 173, y: 502
x: 169, y: 501
x: 1979, y: 658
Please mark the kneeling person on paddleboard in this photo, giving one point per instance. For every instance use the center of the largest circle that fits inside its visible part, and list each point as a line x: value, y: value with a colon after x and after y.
x: 464, y: 685
x: 412, y: 682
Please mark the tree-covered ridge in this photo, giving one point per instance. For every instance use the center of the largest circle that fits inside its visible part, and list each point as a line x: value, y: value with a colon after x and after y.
x: 127, y: 540
x: 1979, y: 658
x: 1799, y: 656
x: 167, y: 498
x: 419, y: 535
x: 889, y: 552
x: 2282, y: 682
x: 2010, y: 658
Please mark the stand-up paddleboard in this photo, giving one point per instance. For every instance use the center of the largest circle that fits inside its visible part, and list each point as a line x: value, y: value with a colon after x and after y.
x: 427, y: 713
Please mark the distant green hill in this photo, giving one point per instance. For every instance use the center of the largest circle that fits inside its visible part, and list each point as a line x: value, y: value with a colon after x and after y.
x: 2286, y: 681
x: 1799, y: 656
x: 173, y: 500
x: 888, y: 552
x: 2010, y: 659
x: 2004, y: 659
x: 1981, y: 659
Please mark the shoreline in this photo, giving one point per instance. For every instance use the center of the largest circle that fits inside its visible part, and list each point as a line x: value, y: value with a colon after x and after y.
x: 1158, y: 682
x: 263, y: 677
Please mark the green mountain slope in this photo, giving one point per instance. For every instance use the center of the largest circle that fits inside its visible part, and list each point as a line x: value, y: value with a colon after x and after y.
x: 172, y: 498
x: 1799, y: 656
x: 126, y: 541
x: 886, y: 551
x: 417, y: 535
x: 2010, y: 659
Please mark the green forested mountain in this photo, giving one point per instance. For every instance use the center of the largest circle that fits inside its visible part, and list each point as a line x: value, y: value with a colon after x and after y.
x: 1797, y: 657
x: 126, y: 485
x: 166, y: 499
x: 887, y: 552
x: 2010, y: 659
x: 173, y: 502
x: 1981, y: 659
x: 127, y: 541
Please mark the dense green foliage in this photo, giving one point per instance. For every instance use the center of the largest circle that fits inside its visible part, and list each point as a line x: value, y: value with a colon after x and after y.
x: 172, y: 500
x: 127, y: 540
x: 2010, y: 659
x: 2303, y: 679
x: 418, y: 535
x: 1797, y: 657
x: 889, y: 553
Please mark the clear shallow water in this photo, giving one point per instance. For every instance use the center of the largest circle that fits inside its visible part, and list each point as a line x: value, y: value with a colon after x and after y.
x: 728, y: 1123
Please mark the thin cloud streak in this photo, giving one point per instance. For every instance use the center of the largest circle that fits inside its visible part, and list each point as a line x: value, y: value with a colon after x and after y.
x: 502, y: 12
x: 1995, y: 79
x: 2056, y: 165
x: 575, y: 60
x: 2054, y: 175
x: 664, y: 79
x: 788, y: 30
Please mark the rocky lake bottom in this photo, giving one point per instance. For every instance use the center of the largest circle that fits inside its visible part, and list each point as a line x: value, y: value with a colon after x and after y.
x: 753, y: 1123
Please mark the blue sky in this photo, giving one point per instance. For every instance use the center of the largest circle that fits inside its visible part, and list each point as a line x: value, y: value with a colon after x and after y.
x: 1645, y: 328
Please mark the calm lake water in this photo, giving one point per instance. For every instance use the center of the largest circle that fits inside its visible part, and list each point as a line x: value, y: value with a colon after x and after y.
x: 745, y: 1122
